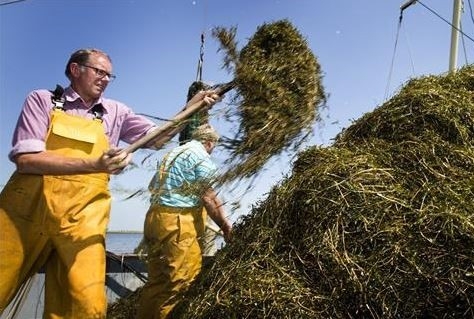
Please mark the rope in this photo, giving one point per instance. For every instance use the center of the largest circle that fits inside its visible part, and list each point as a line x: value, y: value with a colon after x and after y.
x: 470, y: 10
x: 398, y: 31
x: 201, y: 59
x: 3, y: 3
x: 126, y: 265
x: 464, y: 47
x: 199, y: 65
x: 439, y: 16
x: 393, y: 54
x: 155, y: 117
x: 201, y: 50
x: 410, y: 54
x: 20, y: 298
x: 472, y: 19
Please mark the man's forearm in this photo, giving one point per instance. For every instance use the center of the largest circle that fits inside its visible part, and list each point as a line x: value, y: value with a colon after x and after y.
x: 46, y: 163
x: 215, y: 209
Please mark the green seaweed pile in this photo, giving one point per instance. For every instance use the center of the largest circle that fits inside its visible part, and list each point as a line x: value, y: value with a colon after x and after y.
x: 378, y: 225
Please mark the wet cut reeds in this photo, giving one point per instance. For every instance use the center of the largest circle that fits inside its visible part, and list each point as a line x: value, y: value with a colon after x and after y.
x: 126, y: 307
x: 378, y: 225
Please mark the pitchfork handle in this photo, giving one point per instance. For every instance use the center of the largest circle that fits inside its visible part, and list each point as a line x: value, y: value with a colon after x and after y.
x: 184, y: 114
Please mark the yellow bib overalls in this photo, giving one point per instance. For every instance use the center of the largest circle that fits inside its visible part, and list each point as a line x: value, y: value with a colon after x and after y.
x: 59, y: 222
x: 174, y: 254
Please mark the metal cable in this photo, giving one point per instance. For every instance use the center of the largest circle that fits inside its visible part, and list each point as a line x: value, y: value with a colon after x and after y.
x: 4, y: 3
x: 470, y: 10
x: 201, y: 60
x: 464, y: 48
x: 410, y: 54
x: 439, y: 16
x: 20, y: 298
x: 126, y: 265
x: 393, y: 55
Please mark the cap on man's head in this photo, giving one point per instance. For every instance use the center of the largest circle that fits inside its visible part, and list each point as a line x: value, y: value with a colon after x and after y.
x: 206, y: 132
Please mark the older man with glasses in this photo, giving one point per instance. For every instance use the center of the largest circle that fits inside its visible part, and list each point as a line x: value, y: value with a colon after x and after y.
x: 54, y: 210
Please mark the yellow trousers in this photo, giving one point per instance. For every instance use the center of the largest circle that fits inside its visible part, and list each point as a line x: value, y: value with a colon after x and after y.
x: 58, y: 222
x: 174, y: 257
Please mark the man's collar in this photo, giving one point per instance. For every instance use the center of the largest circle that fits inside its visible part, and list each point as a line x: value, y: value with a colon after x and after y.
x: 71, y: 96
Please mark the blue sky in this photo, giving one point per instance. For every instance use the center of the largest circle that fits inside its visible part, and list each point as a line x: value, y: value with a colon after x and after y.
x: 154, y: 45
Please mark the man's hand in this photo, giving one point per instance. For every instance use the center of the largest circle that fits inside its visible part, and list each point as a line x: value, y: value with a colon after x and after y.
x: 209, y: 97
x: 114, y: 161
x: 227, y: 230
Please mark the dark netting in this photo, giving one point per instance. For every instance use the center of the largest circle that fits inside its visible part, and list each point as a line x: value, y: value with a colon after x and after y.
x: 197, y: 118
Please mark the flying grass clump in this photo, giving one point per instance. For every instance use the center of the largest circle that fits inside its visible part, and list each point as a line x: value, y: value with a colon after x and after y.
x: 379, y: 225
x: 277, y: 92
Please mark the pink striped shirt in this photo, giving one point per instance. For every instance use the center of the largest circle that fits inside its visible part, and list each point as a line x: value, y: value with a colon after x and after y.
x: 120, y: 122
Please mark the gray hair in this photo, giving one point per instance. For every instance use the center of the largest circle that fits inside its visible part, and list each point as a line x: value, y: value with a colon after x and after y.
x: 205, y: 133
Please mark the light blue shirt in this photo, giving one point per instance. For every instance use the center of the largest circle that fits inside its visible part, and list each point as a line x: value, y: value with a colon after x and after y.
x: 183, y: 167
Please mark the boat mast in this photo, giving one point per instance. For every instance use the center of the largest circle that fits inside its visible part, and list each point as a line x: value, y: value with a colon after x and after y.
x: 453, y: 53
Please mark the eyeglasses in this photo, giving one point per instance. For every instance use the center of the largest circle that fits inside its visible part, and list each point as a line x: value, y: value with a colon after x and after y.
x: 100, y: 73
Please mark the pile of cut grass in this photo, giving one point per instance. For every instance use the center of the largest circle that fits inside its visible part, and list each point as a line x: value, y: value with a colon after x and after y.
x: 379, y: 225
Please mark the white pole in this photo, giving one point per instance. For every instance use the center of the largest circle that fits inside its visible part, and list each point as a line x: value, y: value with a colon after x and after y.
x: 453, y: 55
